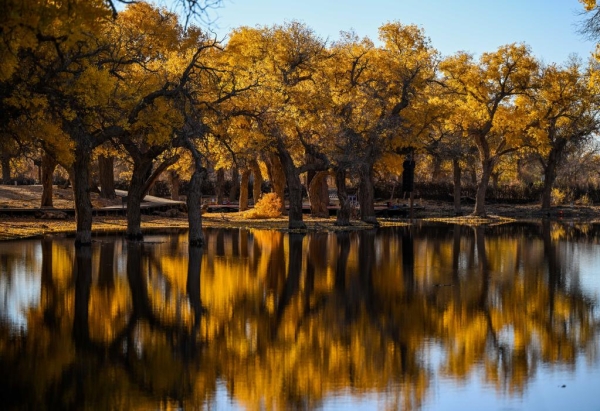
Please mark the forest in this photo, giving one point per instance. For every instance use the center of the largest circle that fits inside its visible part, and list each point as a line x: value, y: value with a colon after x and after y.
x: 90, y: 87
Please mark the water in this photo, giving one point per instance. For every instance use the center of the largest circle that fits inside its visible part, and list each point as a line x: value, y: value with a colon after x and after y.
x: 430, y: 317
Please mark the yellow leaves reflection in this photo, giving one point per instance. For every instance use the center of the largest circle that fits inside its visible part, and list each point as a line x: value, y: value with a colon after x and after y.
x: 286, y: 321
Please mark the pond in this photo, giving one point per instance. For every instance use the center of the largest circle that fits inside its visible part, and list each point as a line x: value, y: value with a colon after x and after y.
x: 429, y: 317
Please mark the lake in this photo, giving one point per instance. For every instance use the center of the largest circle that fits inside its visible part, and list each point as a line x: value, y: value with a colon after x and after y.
x: 426, y: 317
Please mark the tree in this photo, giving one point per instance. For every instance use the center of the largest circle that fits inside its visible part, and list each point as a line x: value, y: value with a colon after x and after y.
x: 62, y: 86
x: 163, y: 59
x: 374, y: 92
x: 287, y: 61
x: 563, y: 112
x: 486, y: 112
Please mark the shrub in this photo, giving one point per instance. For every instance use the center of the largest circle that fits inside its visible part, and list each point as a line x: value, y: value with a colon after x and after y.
x: 558, y: 196
x: 585, y: 200
x: 268, y: 206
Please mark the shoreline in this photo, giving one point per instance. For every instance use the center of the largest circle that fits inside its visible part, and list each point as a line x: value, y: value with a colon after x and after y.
x: 15, y: 228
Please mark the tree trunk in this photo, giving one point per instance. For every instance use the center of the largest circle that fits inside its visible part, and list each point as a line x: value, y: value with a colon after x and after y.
x: 550, y: 174
x: 107, y: 177
x: 244, y: 190
x: 344, y: 212
x: 80, y: 180
x: 175, y: 184
x: 258, y: 181
x: 5, y: 159
x: 220, y: 185
x: 457, y: 186
x: 195, y: 235
x: 318, y: 203
x: 366, y: 196
x: 487, y: 167
x: 152, y: 176
x: 277, y: 177
x: 141, y: 169
x: 295, y: 189
x: 473, y: 174
x: 235, y: 185
x: 48, y: 167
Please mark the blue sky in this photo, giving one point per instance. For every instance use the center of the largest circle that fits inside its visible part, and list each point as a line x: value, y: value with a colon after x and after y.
x: 475, y: 26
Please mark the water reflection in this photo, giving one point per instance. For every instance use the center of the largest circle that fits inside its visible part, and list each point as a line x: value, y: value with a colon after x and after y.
x: 265, y: 320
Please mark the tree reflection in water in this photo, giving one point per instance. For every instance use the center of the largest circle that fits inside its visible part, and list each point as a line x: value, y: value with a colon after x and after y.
x: 286, y: 321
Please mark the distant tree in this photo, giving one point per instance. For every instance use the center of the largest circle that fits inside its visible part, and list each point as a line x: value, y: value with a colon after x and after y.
x: 563, y: 113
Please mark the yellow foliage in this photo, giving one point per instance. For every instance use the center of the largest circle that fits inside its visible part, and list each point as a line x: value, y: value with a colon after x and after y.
x: 589, y: 4
x: 269, y: 206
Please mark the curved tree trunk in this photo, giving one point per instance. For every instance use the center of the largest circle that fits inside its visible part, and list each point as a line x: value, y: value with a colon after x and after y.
x: 107, y: 177
x: 244, y: 190
x: 366, y: 196
x: 457, y: 186
x: 343, y: 214
x: 319, y: 202
x: 47, y: 168
x: 258, y: 181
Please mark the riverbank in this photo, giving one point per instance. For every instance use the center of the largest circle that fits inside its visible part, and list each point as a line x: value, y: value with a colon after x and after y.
x: 30, y: 226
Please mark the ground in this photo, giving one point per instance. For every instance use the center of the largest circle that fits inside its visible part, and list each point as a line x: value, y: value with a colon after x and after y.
x: 16, y: 197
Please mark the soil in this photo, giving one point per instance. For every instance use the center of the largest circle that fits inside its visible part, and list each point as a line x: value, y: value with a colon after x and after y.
x: 28, y: 197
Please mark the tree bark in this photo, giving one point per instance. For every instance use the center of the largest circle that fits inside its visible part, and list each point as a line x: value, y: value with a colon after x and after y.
x: 457, y: 186
x: 295, y: 218
x: 175, y: 184
x: 318, y: 202
x: 487, y: 167
x: 550, y: 169
x: 277, y: 175
x: 107, y: 177
x: 244, y: 190
x: 235, y: 185
x: 135, y: 195
x: 343, y: 214
x: 80, y: 180
x: 152, y: 176
x: 366, y: 196
x: 48, y: 167
x: 5, y: 159
x: 194, y: 198
x: 258, y: 181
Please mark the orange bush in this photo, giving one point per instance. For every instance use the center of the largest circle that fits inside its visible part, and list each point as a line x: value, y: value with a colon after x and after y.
x: 268, y: 206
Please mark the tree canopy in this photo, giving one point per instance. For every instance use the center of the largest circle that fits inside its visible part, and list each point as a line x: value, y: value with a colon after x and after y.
x: 78, y: 80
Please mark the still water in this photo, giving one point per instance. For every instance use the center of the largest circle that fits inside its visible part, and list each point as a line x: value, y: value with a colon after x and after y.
x: 429, y: 317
